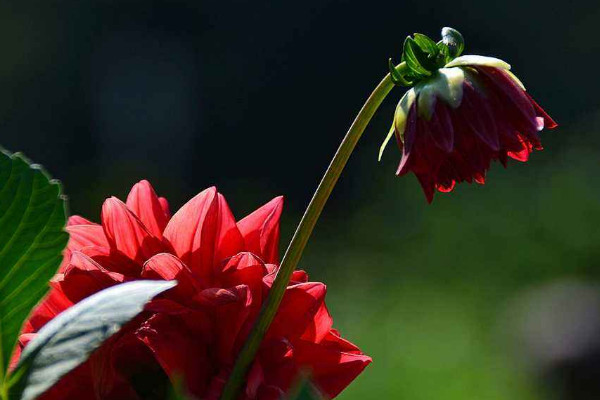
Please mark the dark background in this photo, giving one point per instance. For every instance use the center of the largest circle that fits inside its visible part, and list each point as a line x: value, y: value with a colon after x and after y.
x: 491, y: 292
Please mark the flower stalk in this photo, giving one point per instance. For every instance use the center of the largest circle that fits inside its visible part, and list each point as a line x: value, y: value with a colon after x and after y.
x: 303, y: 231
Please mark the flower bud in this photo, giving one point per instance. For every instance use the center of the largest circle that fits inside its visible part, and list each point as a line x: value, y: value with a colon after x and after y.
x: 452, y: 123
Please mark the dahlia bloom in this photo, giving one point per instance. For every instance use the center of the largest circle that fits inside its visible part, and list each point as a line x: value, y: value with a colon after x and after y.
x: 193, y: 332
x: 460, y: 117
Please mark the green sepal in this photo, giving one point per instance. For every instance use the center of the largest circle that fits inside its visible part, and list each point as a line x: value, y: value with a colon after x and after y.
x: 444, y: 51
x: 426, y: 44
x: 415, y: 58
x: 396, y: 75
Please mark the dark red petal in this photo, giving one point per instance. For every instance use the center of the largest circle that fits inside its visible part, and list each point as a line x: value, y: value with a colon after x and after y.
x: 332, y: 368
x: 77, y: 384
x: 518, y: 104
x: 477, y: 114
x: 410, y: 134
x: 143, y: 202
x: 167, y: 267
x: 112, y: 260
x: 548, y: 121
x: 231, y: 308
x: 261, y: 230
x: 523, y: 153
x: 84, y: 277
x: 203, y: 233
x: 440, y: 128
x: 446, y: 187
x: 427, y: 184
x: 270, y: 392
x: 126, y: 233
x: 179, y: 351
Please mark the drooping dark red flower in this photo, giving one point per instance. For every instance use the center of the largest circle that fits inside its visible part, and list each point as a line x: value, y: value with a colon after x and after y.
x: 225, y: 270
x: 452, y: 125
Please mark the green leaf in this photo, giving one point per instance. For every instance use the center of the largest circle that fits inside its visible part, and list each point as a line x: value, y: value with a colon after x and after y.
x: 32, y: 237
x: 67, y: 341
x: 426, y: 44
x: 415, y: 57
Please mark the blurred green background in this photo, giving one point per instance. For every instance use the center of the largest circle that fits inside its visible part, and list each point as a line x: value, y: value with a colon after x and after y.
x: 491, y: 292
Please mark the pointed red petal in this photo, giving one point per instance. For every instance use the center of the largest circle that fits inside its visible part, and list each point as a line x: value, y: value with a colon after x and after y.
x: 126, y: 233
x: 261, y: 230
x: 203, y: 233
x: 332, y: 368
x: 143, y: 202
x: 548, y: 121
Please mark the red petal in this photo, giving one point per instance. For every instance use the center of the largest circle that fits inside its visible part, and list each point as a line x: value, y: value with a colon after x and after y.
x: 77, y: 220
x: 248, y: 269
x: 84, y: 277
x: 410, y: 135
x: 178, y: 351
x: 167, y: 267
x: 49, y: 307
x: 332, y: 368
x: 112, y: 261
x: 548, y: 121
x: 261, y: 230
x: 301, y: 313
x: 203, y: 233
x: 143, y: 202
x: 440, y: 128
x: 518, y: 104
x: 164, y: 204
x: 231, y: 308
x: 85, y: 236
x: 477, y: 114
x: 428, y: 186
x: 126, y: 233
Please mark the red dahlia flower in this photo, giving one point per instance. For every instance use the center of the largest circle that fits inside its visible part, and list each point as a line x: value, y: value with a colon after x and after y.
x: 225, y: 270
x: 460, y: 117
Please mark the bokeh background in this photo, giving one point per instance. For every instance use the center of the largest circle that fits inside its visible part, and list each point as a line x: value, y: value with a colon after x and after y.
x: 491, y: 292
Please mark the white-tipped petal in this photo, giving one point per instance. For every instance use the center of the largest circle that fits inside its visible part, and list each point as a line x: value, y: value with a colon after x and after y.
x: 400, y: 117
x: 464, y: 61
x: 446, y: 84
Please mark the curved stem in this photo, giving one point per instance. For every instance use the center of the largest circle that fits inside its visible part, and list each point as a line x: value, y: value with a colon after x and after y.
x: 300, y: 238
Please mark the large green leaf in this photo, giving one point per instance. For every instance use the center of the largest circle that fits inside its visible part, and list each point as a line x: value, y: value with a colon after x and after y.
x: 32, y: 237
x: 68, y: 340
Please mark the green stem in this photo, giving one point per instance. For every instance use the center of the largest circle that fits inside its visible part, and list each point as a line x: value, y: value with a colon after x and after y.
x: 300, y: 238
